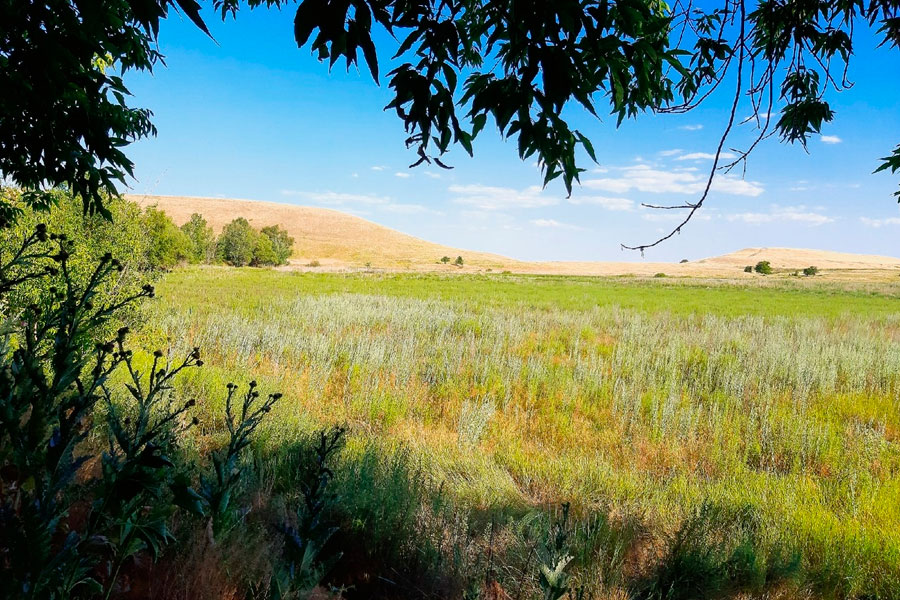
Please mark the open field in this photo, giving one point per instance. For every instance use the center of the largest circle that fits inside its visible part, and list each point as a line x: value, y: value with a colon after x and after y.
x: 745, y: 435
x: 339, y: 241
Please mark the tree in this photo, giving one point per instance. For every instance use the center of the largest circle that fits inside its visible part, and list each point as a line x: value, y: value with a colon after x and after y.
x: 459, y: 261
x: 810, y: 271
x: 445, y: 259
x: 282, y: 243
x: 202, y: 240
x: 763, y: 267
x: 237, y: 243
x: 264, y: 252
x: 748, y: 269
x: 64, y: 119
x: 167, y: 245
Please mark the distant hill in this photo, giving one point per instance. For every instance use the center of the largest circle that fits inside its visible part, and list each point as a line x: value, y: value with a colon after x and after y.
x: 338, y: 240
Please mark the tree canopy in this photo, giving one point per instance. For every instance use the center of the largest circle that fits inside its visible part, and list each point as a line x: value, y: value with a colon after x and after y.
x: 64, y: 116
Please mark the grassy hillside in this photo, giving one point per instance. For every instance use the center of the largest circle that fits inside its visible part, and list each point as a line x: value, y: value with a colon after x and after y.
x: 713, y: 439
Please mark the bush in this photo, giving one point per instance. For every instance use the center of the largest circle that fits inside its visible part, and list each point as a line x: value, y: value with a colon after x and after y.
x: 237, y: 243
x: 660, y: 275
x: 748, y: 269
x: 201, y: 239
x: 445, y: 259
x: 683, y: 260
x: 763, y: 267
x: 264, y: 252
x: 167, y: 245
x: 810, y: 271
x: 459, y: 261
x: 282, y: 243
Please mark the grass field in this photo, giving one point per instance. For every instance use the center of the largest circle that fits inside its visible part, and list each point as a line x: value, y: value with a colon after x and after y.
x: 712, y: 438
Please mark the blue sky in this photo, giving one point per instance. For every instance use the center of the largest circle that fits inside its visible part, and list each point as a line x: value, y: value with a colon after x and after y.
x: 252, y: 116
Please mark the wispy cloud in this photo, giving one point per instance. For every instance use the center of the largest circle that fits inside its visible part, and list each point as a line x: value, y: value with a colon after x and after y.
x: 673, y: 152
x: 644, y: 178
x: 697, y: 127
x: 607, y: 202
x: 786, y: 214
x: 378, y: 168
x: 705, y: 156
x: 553, y: 223
x: 402, y: 175
x: 431, y: 174
x: 337, y: 198
x: 880, y: 222
x: 830, y: 139
x: 500, y: 198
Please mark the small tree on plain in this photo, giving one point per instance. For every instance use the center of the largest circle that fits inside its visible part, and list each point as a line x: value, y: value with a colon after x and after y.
x: 445, y: 259
x: 237, y: 243
x: 763, y: 267
x: 810, y: 271
x: 459, y: 261
x: 748, y: 269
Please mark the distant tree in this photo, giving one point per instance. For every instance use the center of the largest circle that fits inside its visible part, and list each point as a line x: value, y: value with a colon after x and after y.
x: 763, y: 267
x: 237, y: 243
x: 282, y: 243
x: 810, y: 271
x: 445, y: 259
x: 201, y: 238
x: 167, y: 244
x: 748, y: 269
x: 683, y: 260
x: 459, y: 261
x: 264, y: 252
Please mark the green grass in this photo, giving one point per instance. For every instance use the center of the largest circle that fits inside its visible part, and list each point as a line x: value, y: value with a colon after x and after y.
x: 643, y: 402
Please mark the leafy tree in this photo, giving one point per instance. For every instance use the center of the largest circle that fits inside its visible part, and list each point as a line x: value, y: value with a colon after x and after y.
x: 810, y: 271
x: 459, y: 261
x: 167, y: 244
x: 282, y: 243
x: 748, y: 269
x: 237, y: 243
x: 457, y: 63
x: 445, y: 259
x: 763, y: 267
x: 201, y: 239
x: 264, y: 252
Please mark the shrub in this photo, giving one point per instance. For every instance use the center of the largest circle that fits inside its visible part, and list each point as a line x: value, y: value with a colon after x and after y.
x: 445, y: 259
x: 763, y: 267
x: 660, y: 275
x: 810, y: 271
x: 314, y: 263
x: 459, y: 261
x: 282, y: 243
x: 237, y: 243
x: 683, y: 260
x: 201, y: 239
x: 263, y: 252
x: 167, y: 244
x: 748, y: 269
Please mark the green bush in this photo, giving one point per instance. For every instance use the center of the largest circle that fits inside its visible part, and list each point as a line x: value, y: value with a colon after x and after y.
x: 201, y: 239
x: 282, y: 244
x: 237, y: 243
x: 167, y: 245
x: 748, y: 269
x: 810, y: 271
x: 763, y: 267
x: 264, y: 252
x: 445, y: 259
x: 459, y: 261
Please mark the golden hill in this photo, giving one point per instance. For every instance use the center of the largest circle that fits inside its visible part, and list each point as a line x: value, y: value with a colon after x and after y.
x: 338, y: 240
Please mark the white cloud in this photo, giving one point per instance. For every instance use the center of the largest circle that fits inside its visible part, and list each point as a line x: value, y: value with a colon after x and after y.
x: 431, y: 174
x: 697, y: 127
x: 880, y: 222
x: 783, y: 214
x: 402, y: 175
x: 831, y: 139
x: 607, y: 202
x: 553, y: 223
x: 379, y: 168
x: 499, y: 198
x: 705, y: 156
x: 337, y: 198
x: 644, y: 178
x: 672, y: 152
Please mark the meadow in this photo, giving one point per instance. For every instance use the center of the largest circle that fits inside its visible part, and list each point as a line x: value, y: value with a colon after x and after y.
x: 712, y: 439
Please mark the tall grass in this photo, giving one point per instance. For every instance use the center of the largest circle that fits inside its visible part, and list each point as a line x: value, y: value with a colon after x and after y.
x: 639, y: 413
